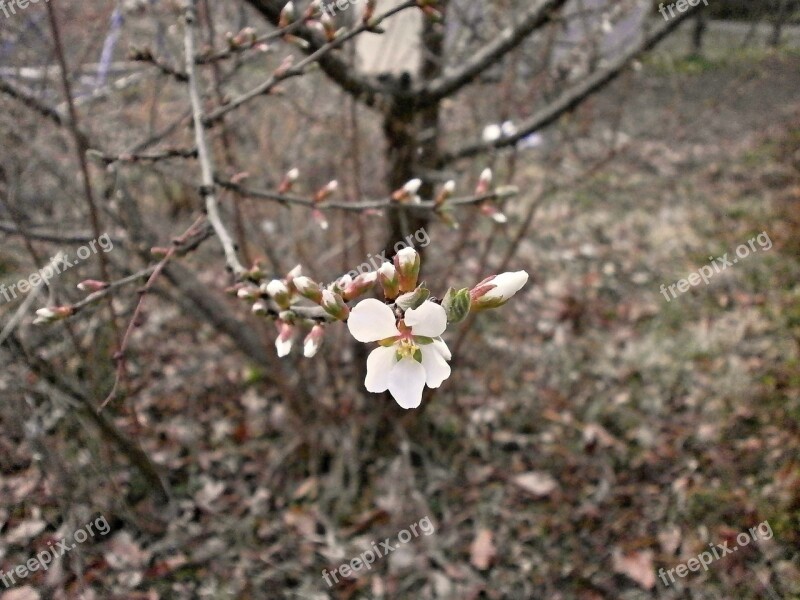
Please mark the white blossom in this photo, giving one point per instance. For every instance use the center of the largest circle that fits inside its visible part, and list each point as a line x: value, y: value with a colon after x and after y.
x: 412, y: 353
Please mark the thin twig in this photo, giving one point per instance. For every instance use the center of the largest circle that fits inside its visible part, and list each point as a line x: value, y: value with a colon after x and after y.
x: 81, y: 147
x: 204, y: 155
x: 300, y: 68
x: 288, y: 200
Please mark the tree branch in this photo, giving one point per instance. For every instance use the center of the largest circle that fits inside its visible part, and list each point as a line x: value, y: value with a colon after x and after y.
x: 449, y: 83
x: 574, y: 95
x: 204, y: 155
x: 337, y: 70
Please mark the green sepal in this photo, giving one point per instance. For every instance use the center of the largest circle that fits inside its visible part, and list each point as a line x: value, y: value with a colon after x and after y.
x: 413, y: 299
x: 457, y: 305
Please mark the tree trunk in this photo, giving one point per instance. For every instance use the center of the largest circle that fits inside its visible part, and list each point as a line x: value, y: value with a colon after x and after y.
x: 412, y: 138
x: 780, y: 18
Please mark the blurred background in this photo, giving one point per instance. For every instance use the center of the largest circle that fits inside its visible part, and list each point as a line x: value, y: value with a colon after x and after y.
x: 596, y: 432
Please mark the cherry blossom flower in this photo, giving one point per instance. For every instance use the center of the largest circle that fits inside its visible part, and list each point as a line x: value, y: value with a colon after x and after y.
x: 411, y: 354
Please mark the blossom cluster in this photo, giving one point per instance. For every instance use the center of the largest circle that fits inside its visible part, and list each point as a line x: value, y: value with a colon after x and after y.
x: 407, y: 324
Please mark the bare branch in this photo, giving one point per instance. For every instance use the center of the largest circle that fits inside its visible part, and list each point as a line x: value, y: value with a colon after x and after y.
x: 301, y: 67
x: 340, y: 72
x: 535, y: 17
x: 576, y: 94
x: 425, y: 206
x: 31, y: 101
x: 206, y: 164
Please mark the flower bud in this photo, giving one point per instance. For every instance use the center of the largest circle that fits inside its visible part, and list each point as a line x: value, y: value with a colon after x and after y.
x: 360, y: 285
x: 313, y: 341
x: 320, y: 219
x: 407, y: 263
x: 51, y: 315
x: 91, y: 285
x: 288, y: 15
x: 284, y: 341
x: 408, y: 191
x: 288, y: 181
x: 335, y: 305
x: 490, y: 209
x: 508, y: 128
x: 497, y: 290
x: 296, y: 272
x: 484, y: 183
x: 369, y: 11
x: 446, y: 193
x: 278, y: 291
x: 308, y: 288
x: 389, y: 280
x: 260, y: 309
x: 328, y: 27
x: 313, y: 9
x: 325, y: 192
x: 248, y: 292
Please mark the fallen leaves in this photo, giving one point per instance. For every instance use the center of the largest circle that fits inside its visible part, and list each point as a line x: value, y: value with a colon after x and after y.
x: 482, y: 551
x: 638, y: 566
x: 537, y: 483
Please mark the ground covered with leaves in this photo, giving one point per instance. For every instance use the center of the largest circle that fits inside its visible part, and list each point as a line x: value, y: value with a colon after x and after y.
x: 593, y: 432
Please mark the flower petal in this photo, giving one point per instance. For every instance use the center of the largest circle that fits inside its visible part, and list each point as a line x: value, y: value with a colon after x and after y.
x: 442, y: 348
x: 436, y: 367
x: 371, y: 320
x: 406, y: 382
x: 507, y: 284
x: 283, y: 346
x: 429, y: 320
x: 379, y: 364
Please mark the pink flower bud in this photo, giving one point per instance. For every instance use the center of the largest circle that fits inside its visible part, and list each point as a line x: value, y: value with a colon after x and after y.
x: 407, y: 263
x: 52, y: 314
x: 484, y: 183
x: 490, y: 209
x: 91, y: 285
x: 284, y: 341
x: 389, y: 281
x: 408, y: 191
x: 446, y: 192
x: 328, y: 26
x: 320, y: 219
x: 288, y: 181
x: 327, y: 191
x: 313, y: 341
x: 360, y: 285
x: 497, y: 290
